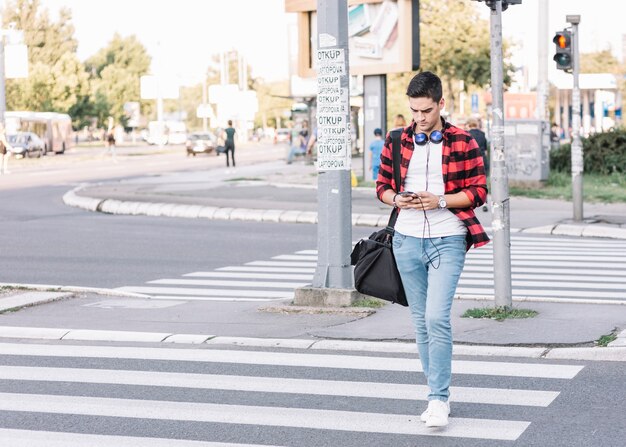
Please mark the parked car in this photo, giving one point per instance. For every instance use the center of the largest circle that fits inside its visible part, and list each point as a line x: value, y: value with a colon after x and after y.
x: 26, y: 144
x: 201, y: 143
x: 282, y: 136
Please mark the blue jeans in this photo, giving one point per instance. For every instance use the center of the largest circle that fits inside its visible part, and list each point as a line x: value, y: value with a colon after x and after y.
x: 429, y: 292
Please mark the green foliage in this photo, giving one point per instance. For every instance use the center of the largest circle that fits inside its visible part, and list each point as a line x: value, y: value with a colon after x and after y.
x: 603, y: 153
x: 460, y: 50
x: 56, y: 80
x: 373, y: 303
x: 499, y: 313
x: 115, y: 73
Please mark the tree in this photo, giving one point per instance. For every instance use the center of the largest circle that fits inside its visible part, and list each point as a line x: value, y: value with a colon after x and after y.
x: 455, y: 45
x: 599, y: 62
x: 115, y: 72
x: 56, y: 78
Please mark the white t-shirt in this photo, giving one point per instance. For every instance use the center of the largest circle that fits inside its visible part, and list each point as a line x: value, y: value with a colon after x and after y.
x: 425, y: 174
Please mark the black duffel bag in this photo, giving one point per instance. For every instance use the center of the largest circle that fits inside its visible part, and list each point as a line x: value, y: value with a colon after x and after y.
x: 375, y: 270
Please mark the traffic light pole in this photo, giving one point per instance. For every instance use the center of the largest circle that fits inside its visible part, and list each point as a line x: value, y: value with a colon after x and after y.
x: 499, y: 176
x: 577, y: 147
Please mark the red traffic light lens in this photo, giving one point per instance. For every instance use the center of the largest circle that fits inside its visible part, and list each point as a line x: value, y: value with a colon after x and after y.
x: 562, y: 40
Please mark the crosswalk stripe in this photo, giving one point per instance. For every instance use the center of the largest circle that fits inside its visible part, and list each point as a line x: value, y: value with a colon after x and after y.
x: 307, y: 252
x: 552, y: 257
x: 572, y: 278
x: 28, y: 438
x: 207, y: 292
x: 620, y: 295
x: 257, y: 415
x: 295, y: 258
x: 542, y: 270
x: 244, y: 268
x: 551, y: 250
x: 245, y: 275
x: 214, y: 298
x: 533, y: 282
x: 564, y: 240
x: 494, y: 396
x: 543, y: 263
x: 549, y: 371
x: 214, y: 282
x: 282, y: 264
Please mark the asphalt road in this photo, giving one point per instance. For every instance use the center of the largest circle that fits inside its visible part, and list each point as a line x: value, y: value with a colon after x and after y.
x: 297, y: 398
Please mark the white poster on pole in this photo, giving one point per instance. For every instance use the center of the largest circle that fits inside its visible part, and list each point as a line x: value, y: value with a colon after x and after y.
x: 333, y: 106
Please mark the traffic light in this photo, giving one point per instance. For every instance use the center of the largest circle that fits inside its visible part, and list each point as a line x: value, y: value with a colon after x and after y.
x: 563, y: 56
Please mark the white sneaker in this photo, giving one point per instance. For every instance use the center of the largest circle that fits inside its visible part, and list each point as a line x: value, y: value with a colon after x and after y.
x: 426, y: 412
x: 436, y: 415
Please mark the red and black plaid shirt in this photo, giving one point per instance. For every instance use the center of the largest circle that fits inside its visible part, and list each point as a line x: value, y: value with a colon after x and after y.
x: 463, y: 170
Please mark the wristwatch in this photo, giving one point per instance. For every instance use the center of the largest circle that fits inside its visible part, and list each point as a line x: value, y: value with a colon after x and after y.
x: 442, y: 203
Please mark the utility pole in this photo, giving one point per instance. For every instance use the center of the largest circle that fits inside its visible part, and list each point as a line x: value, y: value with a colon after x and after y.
x: 500, y: 222
x: 333, y: 279
x: 542, y: 52
x: 3, y: 99
x: 577, y: 146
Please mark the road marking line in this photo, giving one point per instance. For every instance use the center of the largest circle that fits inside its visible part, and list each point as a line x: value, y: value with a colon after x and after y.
x: 264, y: 269
x: 510, y: 369
x: 545, y: 293
x: 257, y: 415
x: 215, y: 298
x: 207, y: 292
x: 281, y: 264
x: 562, y: 285
x: 572, y: 278
x: 295, y: 258
x: 215, y: 282
x: 495, y: 396
x: 244, y: 275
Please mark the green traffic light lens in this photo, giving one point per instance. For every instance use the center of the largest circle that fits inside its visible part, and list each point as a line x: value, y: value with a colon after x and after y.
x: 563, y: 59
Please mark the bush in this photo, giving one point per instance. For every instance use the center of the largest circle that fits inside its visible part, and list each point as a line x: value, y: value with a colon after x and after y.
x: 603, y: 153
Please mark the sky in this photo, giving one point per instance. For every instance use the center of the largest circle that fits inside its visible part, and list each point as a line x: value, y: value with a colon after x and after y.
x: 187, y: 32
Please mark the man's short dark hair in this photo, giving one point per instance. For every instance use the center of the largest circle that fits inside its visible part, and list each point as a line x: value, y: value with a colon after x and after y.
x: 425, y: 85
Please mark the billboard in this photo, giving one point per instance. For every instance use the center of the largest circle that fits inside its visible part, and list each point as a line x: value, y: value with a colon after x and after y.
x: 383, y: 36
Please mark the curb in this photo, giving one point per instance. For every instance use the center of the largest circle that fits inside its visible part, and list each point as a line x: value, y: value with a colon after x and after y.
x: 617, y: 354
x: 163, y: 209
x: 74, y: 289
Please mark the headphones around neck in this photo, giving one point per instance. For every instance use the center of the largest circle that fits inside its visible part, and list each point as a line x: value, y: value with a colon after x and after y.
x: 421, y: 138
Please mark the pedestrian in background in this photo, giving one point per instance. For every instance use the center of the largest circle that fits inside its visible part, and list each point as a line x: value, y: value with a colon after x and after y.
x: 376, y: 148
x: 110, y: 143
x: 481, y: 140
x: 229, y: 143
x: 5, y: 151
x: 436, y: 225
x: 300, y: 144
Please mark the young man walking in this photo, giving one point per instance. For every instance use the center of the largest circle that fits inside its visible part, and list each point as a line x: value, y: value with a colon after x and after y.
x: 442, y: 181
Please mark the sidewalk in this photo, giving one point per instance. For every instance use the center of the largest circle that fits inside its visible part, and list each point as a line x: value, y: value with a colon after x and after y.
x: 559, y: 331
x: 274, y: 191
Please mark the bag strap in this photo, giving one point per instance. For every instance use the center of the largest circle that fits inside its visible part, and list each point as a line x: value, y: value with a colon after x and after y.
x: 396, y: 134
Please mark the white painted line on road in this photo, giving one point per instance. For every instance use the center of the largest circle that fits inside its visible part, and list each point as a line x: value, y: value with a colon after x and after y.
x: 244, y: 275
x: 256, y: 415
x: 295, y: 258
x: 494, y: 396
x: 606, y: 258
x: 573, y: 277
x: 517, y: 239
x: 309, y: 252
x: 217, y: 298
x: 590, y: 294
x: 215, y: 282
x: 528, y: 263
x: 509, y: 369
x: 208, y: 292
x: 36, y: 438
x: 282, y: 264
x: 581, y: 271
x: 265, y: 269
x: 564, y: 286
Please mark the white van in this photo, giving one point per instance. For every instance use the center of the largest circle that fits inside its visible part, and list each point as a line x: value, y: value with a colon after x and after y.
x: 167, y: 132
